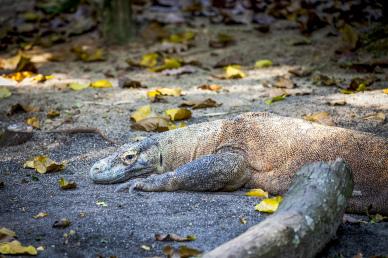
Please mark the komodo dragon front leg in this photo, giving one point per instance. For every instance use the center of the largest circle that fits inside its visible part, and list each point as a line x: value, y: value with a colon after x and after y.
x: 220, y: 171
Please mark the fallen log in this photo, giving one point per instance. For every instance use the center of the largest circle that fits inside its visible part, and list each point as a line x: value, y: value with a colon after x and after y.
x: 306, y: 220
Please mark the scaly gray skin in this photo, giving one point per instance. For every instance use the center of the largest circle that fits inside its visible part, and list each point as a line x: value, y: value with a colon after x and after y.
x: 251, y: 150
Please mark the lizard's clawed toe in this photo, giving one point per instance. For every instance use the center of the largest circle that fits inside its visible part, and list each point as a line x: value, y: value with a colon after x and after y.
x: 131, y: 186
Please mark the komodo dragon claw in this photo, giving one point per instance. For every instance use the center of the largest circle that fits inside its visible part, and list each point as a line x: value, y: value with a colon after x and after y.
x: 131, y: 185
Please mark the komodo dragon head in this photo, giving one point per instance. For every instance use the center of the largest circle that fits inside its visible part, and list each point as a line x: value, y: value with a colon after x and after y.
x: 129, y: 161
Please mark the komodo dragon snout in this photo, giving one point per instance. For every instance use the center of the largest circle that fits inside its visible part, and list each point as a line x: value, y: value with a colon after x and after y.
x: 129, y: 161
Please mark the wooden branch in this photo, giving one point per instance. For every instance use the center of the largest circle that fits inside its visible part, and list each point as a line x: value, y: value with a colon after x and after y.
x: 307, y: 219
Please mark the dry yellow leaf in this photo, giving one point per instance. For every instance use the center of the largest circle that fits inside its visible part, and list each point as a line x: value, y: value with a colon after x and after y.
x: 33, y: 121
x: 40, y: 215
x: 212, y: 87
x: 42, y: 78
x: 172, y: 126
x: 43, y: 164
x: 7, y: 232
x: 5, y: 93
x: 101, y: 84
x: 321, y: 118
x: 19, y: 76
x: 149, y: 60
x: 97, y: 54
x: 154, y: 94
x: 257, y: 193
x: 269, y: 205
x: 65, y: 184
x: 169, y: 63
x: 177, y: 114
x: 234, y: 72
x: 141, y: 113
x: 15, y: 247
x: 89, y: 53
x: 176, y: 92
x: 78, y: 86
x: 182, y: 37
x: 263, y: 63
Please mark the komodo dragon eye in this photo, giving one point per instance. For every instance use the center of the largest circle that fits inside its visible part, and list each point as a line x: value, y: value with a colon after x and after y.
x: 128, y: 157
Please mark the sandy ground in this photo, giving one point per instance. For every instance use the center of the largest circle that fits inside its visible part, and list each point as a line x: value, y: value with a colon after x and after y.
x: 130, y: 221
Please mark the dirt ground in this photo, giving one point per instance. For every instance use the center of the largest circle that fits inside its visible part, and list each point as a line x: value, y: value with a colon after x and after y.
x: 131, y: 220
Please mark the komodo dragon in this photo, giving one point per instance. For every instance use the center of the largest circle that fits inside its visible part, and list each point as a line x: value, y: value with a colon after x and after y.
x: 255, y: 150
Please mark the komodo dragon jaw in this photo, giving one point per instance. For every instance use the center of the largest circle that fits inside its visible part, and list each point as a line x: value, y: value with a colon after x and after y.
x: 130, y: 161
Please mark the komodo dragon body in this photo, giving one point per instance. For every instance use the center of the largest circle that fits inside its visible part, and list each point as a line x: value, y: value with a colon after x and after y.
x: 255, y: 150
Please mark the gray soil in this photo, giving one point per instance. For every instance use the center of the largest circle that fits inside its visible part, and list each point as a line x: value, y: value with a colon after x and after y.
x: 131, y: 220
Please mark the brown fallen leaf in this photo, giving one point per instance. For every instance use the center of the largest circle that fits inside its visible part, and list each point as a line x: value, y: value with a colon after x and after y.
x: 325, y: 80
x: 300, y: 71
x: 53, y: 113
x: 154, y: 31
x: 284, y: 82
x: 211, y: 87
x: 62, y: 223
x: 321, y: 118
x: 128, y: 83
x: 152, y: 124
x: 174, y: 237
x: 361, y: 83
x: 207, y: 103
x: 21, y: 108
x: 43, y: 164
x: 182, y: 251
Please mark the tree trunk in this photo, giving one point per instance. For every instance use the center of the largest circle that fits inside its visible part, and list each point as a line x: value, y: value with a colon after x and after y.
x: 306, y: 220
x: 117, y: 21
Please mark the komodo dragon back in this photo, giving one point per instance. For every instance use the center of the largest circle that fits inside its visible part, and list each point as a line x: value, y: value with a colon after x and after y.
x: 252, y: 150
x: 276, y: 147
